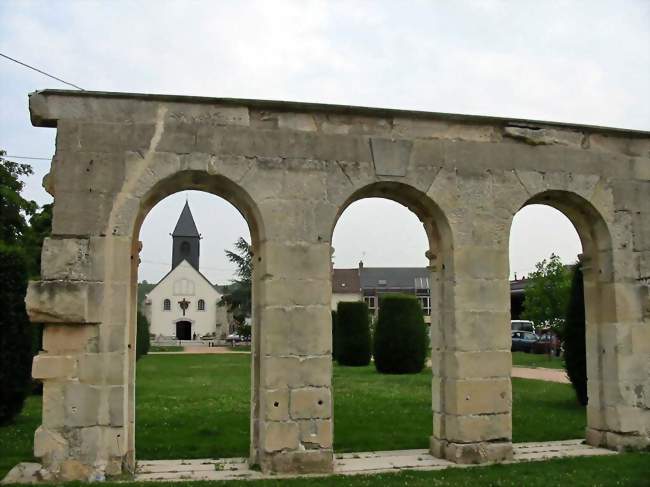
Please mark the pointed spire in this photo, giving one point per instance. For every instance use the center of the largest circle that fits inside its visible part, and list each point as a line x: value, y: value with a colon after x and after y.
x: 185, y: 227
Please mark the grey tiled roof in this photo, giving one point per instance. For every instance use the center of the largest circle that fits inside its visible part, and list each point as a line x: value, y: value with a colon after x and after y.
x: 185, y: 227
x: 395, y: 277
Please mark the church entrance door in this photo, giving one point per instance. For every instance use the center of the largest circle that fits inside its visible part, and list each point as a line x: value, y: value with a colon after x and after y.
x: 183, y: 330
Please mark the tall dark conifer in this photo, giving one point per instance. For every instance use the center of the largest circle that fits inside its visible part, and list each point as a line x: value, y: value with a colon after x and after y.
x: 575, y: 352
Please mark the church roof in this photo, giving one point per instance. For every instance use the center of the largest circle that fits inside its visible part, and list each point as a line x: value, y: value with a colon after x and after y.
x: 185, y: 227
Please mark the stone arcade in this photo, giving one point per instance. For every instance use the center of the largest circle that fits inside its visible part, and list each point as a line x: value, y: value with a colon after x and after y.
x: 291, y: 169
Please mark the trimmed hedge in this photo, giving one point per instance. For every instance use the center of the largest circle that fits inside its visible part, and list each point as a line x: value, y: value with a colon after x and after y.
x: 353, y: 334
x: 142, y: 340
x: 400, y: 343
x: 15, y: 335
x: 575, y: 351
x: 334, y: 334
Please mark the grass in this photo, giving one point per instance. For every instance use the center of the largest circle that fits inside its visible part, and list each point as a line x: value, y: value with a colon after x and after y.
x: 166, y: 348
x: 197, y: 406
x: 523, y: 359
x: 17, y: 439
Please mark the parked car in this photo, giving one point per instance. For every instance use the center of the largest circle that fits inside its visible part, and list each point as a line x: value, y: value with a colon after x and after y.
x: 547, y: 343
x: 522, y: 325
x: 523, y: 341
x: 234, y: 338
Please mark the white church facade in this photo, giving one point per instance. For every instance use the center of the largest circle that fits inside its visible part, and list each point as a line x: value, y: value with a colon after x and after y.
x: 184, y: 304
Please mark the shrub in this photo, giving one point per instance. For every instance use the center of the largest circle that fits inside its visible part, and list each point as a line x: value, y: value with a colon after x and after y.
x: 143, y: 343
x: 15, y: 335
x: 400, y: 335
x: 334, y: 334
x: 575, y: 353
x: 352, y: 334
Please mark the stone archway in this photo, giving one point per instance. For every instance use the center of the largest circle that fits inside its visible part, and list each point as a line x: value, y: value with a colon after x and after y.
x: 290, y: 169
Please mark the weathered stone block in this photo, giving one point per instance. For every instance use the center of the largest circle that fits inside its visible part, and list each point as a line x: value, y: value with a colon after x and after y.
x: 293, y: 372
x: 476, y: 428
x: 82, y: 404
x: 116, y: 399
x: 53, y: 367
x: 306, y: 461
x: 70, y: 302
x: 391, y: 157
x: 471, y: 453
x: 298, y: 262
x: 276, y: 404
x: 478, y: 396
x: 311, y: 403
x: 316, y: 434
x: 54, y: 411
x: 50, y: 446
x: 467, y: 365
x: 65, y: 339
x: 297, y: 330
x: 477, y: 330
x: 277, y: 436
x: 102, y: 368
x: 297, y: 292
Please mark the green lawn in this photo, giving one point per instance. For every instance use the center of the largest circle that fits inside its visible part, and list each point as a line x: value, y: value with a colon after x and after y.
x: 197, y: 406
x: 523, y: 359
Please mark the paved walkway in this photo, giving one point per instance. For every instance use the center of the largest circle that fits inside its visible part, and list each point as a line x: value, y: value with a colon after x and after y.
x: 202, y: 350
x: 352, y: 463
x: 551, y: 375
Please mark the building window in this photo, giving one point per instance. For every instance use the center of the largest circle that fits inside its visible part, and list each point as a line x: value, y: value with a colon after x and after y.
x: 371, y: 301
x: 167, y: 305
x: 425, y: 302
x: 201, y: 305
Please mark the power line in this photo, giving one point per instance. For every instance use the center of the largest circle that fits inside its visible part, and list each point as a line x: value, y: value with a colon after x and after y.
x: 40, y: 71
x: 29, y: 157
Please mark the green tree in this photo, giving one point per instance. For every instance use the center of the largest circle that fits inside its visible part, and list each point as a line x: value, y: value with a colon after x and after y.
x: 238, y: 295
x: 547, y: 294
x: 40, y: 226
x: 575, y: 347
x: 142, y: 337
x: 13, y: 207
x: 15, y: 334
x: 400, y: 341
x: 353, y: 343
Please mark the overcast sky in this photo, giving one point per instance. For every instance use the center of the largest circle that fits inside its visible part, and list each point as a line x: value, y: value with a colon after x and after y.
x: 572, y: 61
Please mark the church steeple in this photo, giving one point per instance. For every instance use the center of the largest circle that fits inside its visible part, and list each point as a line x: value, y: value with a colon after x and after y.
x: 186, y: 240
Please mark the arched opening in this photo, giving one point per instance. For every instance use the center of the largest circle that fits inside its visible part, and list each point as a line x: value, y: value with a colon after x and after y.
x: 553, y: 236
x: 202, y: 398
x: 388, y: 239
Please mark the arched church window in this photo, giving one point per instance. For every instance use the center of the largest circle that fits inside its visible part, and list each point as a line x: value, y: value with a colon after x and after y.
x: 185, y: 248
x: 167, y: 305
x: 201, y: 305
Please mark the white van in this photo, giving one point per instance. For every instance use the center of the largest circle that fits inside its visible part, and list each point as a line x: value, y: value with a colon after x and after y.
x: 522, y: 325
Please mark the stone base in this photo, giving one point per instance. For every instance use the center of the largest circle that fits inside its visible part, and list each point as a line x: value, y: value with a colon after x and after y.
x: 471, y: 453
x: 308, y: 461
x: 617, y: 441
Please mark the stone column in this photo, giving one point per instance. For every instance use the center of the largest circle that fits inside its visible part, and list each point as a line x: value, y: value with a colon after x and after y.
x: 295, y: 399
x: 84, y: 305
x: 618, y: 362
x: 471, y: 358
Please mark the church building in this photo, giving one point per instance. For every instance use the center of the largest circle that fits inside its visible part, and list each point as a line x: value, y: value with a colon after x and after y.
x: 183, y: 305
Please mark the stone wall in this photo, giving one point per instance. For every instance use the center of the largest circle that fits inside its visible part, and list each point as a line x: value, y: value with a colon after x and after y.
x: 292, y: 169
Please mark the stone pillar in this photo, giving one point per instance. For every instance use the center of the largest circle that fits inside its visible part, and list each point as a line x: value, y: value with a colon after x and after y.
x: 618, y: 362
x: 83, y: 303
x: 471, y: 358
x: 295, y: 398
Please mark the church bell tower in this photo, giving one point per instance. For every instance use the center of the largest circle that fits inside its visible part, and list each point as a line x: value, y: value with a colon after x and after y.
x: 186, y: 240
